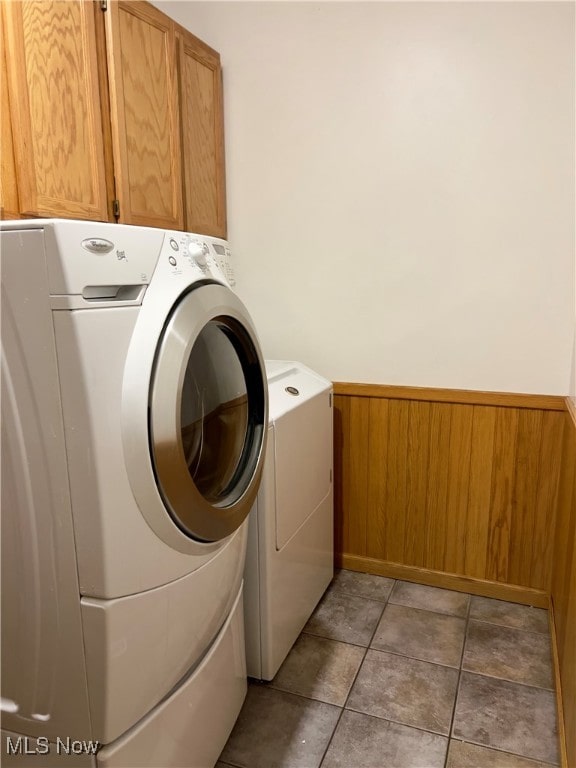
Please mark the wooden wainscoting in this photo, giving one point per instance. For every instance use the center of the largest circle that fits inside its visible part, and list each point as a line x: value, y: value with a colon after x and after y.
x: 448, y: 487
x: 563, y: 588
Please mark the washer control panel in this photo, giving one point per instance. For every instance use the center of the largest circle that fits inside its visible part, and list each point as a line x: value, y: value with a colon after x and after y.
x: 205, y: 256
x: 224, y: 259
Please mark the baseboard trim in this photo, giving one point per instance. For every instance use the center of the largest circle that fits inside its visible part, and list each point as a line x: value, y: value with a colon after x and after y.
x: 558, y: 688
x: 459, y: 396
x: 500, y: 591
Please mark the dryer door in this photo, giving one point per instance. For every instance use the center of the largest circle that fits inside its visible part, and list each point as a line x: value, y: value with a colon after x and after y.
x: 207, y: 413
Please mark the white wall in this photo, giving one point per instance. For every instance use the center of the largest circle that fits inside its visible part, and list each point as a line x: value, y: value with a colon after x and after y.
x: 572, y: 388
x: 401, y: 185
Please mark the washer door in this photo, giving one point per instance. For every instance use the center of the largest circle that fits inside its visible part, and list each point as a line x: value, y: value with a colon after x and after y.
x: 207, y: 413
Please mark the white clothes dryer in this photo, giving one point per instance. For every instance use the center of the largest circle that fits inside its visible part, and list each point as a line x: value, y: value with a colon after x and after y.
x: 290, y: 560
x: 134, y: 415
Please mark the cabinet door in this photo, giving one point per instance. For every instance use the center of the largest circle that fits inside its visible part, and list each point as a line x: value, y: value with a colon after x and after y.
x: 202, y: 136
x: 145, y: 114
x: 9, y: 208
x: 55, y: 108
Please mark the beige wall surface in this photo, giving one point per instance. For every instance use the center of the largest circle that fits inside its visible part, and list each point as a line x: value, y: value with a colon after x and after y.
x: 401, y: 185
x: 572, y: 390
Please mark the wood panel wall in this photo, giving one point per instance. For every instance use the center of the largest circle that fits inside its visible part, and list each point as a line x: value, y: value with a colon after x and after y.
x: 467, y: 490
x: 450, y: 488
x: 563, y: 584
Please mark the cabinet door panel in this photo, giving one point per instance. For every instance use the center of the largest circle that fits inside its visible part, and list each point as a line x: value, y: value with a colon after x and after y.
x: 9, y: 208
x: 145, y: 114
x: 55, y: 108
x: 202, y: 137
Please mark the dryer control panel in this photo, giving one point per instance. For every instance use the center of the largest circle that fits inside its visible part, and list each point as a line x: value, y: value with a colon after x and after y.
x: 208, y: 255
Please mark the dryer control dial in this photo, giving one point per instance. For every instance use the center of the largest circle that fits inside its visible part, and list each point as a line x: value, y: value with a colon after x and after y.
x: 198, y: 252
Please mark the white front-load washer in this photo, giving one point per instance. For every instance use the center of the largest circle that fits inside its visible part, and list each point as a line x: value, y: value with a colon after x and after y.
x: 134, y: 413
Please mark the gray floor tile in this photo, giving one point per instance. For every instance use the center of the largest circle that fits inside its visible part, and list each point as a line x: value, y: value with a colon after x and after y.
x: 512, y: 654
x: 509, y: 614
x: 362, y: 584
x: 430, y: 598
x: 361, y: 741
x: 514, y: 718
x: 421, y: 635
x: 320, y: 669
x: 346, y: 618
x: 405, y: 690
x: 464, y: 755
x: 398, y: 713
x: 280, y: 730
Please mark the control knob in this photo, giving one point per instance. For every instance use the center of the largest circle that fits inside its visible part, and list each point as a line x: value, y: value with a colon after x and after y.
x: 198, y: 252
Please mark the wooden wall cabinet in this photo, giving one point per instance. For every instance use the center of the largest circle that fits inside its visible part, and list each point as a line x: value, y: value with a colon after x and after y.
x: 141, y: 46
x: 9, y: 205
x: 202, y: 136
x: 54, y: 97
x: 115, y: 114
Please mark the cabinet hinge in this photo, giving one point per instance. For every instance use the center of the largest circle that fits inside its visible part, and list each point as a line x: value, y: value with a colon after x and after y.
x: 103, y: 5
x: 330, y: 400
x: 116, y: 208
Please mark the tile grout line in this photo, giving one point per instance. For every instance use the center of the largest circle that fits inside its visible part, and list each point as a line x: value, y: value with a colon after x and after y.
x: 414, y: 658
x: 330, y: 639
x: 402, y: 724
x: 507, y: 626
x: 343, y: 708
x: 513, y: 754
x: 507, y: 680
x: 451, y: 726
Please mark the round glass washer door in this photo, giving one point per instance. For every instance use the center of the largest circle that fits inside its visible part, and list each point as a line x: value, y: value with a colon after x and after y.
x: 208, y: 413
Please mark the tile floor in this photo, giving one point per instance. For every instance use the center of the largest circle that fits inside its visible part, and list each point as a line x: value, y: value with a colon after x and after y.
x: 388, y: 674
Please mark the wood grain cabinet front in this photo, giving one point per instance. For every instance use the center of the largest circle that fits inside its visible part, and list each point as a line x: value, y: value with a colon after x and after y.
x: 115, y: 112
x: 9, y: 207
x: 202, y: 136
x: 53, y: 93
x: 141, y: 46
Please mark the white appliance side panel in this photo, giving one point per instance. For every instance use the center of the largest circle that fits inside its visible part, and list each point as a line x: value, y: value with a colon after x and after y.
x: 191, y: 727
x: 293, y: 581
x: 303, y: 455
x: 118, y: 553
x: 19, y: 751
x: 139, y: 647
x: 252, y: 595
x: 43, y: 673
